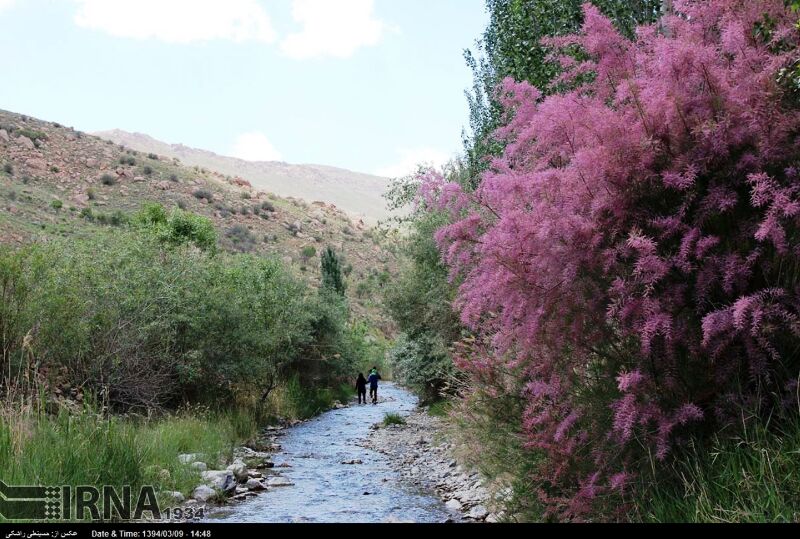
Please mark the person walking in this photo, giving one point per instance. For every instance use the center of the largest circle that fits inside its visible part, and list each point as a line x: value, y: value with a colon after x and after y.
x: 373, y: 384
x: 361, y: 388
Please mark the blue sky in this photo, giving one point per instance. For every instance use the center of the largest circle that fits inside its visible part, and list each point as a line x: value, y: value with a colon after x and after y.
x: 370, y: 85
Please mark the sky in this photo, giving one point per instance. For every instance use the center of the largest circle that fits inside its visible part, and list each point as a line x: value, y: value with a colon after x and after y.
x: 370, y: 85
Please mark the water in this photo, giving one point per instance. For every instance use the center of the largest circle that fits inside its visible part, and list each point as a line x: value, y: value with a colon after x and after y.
x: 326, y: 490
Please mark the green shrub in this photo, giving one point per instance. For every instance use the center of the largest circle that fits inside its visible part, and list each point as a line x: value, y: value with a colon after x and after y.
x: 32, y: 134
x: 56, y: 204
x: 152, y: 156
x: 393, y: 419
x: 308, y: 252
x: 8, y: 168
x: 148, y: 170
x: 241, y: 238
x: 201, y: 194
x: 177, y: 227
x: 108, y: 179
x: 268, y: 206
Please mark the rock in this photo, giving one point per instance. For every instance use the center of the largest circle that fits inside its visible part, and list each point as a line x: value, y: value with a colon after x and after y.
x: 187, y: 458
x: 478, y: 512
x: 239, y: 470
x: 203, y: 493
x: 91, y: 162
x: 200, y: 466
x: 354, y: 461
x: 4, y: 135
x: 164, y: 185
x: 223, y: 480
x: 175, y: 496
x: 254, y: 484
x: 26, y: 142
x: 492, y: 518
x: 279, y: 481
x: 81, y: 200
x: 137, y: 179
x: 36, y: 164
x: 454, y: 504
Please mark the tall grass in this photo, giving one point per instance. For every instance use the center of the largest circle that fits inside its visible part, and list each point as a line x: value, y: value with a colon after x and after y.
x: 84, y: 447
x: 753, y: 477
x: 298, y: 401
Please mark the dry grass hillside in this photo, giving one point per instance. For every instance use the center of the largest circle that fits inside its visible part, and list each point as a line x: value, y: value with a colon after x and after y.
x: 360, y: 195
x: 56, y: 181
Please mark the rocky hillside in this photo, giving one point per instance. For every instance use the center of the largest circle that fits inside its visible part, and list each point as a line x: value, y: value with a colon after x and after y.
x: 55, y: 181
x: 360, y: 195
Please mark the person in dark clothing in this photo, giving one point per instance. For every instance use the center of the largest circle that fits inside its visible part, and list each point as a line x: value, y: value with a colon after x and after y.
x: 361, y: 388
x: 373, y: 384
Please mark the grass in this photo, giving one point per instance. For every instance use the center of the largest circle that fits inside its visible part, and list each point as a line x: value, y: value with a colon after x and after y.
x: 296, y: 401
x: 440, y: 408
x: 754, y: 477
x: 86, y: 448
x: 393, y: 419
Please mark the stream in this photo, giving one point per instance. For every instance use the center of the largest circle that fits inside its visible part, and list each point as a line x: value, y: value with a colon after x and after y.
x: 327, y: 490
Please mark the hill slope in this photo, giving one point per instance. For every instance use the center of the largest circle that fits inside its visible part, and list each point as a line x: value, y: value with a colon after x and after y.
x: 55, y: 181
x: 360, y: 195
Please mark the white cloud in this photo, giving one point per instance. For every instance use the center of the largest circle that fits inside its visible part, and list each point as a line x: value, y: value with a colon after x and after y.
x: 254, y: 146
x: 332, y: 28
x: 410, y: 158
x: 177, y: 21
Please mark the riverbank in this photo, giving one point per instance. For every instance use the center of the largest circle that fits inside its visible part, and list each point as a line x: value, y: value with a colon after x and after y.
x: 419, y: 449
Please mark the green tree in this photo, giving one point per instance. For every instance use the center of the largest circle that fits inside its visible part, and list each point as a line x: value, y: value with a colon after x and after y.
x: 332, y: 272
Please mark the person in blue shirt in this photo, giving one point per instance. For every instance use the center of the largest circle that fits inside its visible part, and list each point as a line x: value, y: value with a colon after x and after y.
x: 373, y: 384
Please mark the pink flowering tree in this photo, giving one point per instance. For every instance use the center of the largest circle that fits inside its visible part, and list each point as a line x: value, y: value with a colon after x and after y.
x: 634, y: 251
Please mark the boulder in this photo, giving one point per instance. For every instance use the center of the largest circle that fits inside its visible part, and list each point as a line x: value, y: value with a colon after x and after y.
x: 164, y: 185
x: 223, y: 480
x: 199, y: 466
x: 254, y: 484
x: 454, y: 504
x: 188, y: 458
x: 4, y: 135
x: 175, y: 496
x: 25, y: 142
x: 279, y: 482
x: 203, y: 493
x: 478, y: 512
x: 239, y: 470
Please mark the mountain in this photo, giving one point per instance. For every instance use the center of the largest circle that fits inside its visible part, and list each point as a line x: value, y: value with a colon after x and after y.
x: 59, y: 182
x: 360, y: 195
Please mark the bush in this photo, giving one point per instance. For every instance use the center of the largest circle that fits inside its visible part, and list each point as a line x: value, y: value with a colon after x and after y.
x: 241, y: 237
x: 56, y: 204
x: 108, y: 179
x: 626, y: 255
x: 127, y: 160
x: 308, y: 252
x: 268, y: 206
x: 178, y: 227
x: 204, y: 194
x: 8, y: 168
x: 32, y: 134
x: 393, y: 419
x: 152, y: 156
x: 145, y: 323
x: 148, y: 170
